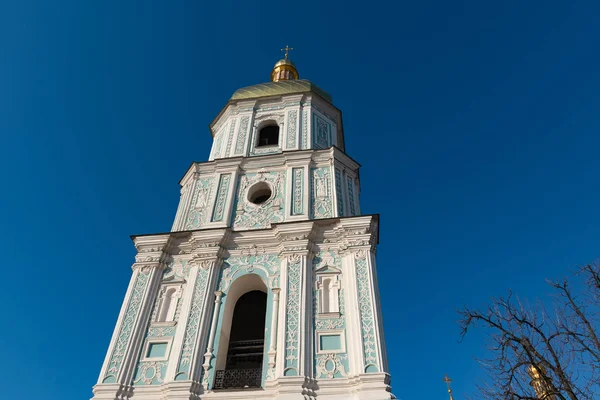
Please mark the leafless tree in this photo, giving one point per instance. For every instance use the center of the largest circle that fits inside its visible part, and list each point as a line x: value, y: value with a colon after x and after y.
x: 553, y: 345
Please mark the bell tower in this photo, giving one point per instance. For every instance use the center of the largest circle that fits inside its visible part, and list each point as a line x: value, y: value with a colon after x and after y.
x: 266, y: 286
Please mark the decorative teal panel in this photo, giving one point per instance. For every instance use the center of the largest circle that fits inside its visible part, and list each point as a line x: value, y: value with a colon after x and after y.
x: 150, y: 373
x: 329, y: 365
x: 367, y: 320
x: 153, y: 372
x: 199, y: 211
x: 227, y: 151
x: 255, y: 216
x: 193, y: 325
x: 321, y: 130
x: 292, y: 325
x: 156, y: 350
x: 240, y: 143
x: 339, y: 192
x: 176, y: 269
x: 133, y: 308
x: 298, y: 191
x: 221, y: 199
x: 291, y: 128
x: 351, y: 196
x: 219, y: 139
x: 305, y: 129
x: 330, y: 342
x: 321, y: 194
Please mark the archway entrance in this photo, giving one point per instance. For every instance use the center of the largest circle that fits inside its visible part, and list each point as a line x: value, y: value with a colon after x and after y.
x: 243, y: 366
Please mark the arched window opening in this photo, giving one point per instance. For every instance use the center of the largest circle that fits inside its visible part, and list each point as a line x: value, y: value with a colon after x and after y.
x: 268, y: 136
x: 243, y: 365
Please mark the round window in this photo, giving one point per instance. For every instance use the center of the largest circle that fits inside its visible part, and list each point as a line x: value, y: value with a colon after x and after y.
x: 260, y: 193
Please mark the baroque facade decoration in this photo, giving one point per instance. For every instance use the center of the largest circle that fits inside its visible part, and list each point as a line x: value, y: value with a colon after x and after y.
x: 266, y: 286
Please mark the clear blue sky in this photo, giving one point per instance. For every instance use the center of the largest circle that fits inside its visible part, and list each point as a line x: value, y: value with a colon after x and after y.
x: 476, y: 125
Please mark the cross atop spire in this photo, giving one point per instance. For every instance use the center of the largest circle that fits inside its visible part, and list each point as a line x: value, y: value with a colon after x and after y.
x: 287, y: 50
x: 448, y: 380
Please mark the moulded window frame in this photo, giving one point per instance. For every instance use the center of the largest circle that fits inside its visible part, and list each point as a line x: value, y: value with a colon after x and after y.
x: 333, y: 332
x: 149, y: 341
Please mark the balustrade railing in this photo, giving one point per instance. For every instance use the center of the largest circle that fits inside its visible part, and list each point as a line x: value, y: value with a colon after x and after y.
x: 238, y: 378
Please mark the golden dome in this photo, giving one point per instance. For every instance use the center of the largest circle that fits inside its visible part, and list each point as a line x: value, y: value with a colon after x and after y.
x: 284, y: 69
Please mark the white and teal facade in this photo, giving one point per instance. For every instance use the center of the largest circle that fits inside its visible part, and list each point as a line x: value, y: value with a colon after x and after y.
x: 281, y: 218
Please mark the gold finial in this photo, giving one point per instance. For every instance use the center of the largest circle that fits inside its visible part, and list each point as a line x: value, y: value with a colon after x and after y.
x: 287, y: 50
x: 285, y: 69
x: 448, y: 380
x: 541, y: 383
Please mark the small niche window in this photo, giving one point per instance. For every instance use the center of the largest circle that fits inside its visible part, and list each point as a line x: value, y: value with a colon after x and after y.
x: 328, y: 284
x: 260, y: 193
x: 268, y: 136
x: 167, y: 306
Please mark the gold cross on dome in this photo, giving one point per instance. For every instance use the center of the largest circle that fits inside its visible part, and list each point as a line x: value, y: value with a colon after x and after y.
x: 448, y: 380
x: 287, y: 50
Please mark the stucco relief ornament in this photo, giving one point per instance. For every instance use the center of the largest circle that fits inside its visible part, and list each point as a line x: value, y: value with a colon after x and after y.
x: 329, y: 365
x: 360, y: 254
x: 277, y: 117
x: 203, y: 263
x: 274, y: 281
x: 268, y: 263
x: 294, y: 258
x: 253, y: 250
x: 151, y: 371
x: 146, y: 269
x: 202, y: 199
x: 249, y: 215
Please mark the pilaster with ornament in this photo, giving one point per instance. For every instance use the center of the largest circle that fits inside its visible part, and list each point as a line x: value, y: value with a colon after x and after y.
x: 208, y: 356
x: 305, y: 121
x: 321, y: 195
x: 230, y: 136
x: 225, y: 196
x: 125, y: 346
x: 293, y: 122
x: 297, y: 180
x: 359, y: 238
x: 205, y: 254
x: 295, y: 340
x: 378, y: 316
x: 189, y: 193
x: 240, y: 145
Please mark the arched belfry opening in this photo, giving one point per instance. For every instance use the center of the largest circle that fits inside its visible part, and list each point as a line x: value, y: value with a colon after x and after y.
x: 247, y: 338
x: 268, y: 135
x: 241, y: 353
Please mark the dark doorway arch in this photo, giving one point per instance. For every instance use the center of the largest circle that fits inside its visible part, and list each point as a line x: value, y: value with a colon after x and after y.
x: 243, y: 367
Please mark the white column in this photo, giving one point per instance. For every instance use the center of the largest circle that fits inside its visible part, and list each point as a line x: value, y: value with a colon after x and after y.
x: 211, y: 338
x: 273, y: 340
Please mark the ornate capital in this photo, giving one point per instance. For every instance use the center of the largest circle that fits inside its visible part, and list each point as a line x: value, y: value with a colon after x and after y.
x: 205, y: 261
x: 360, y: 254
x: 294, y: 258
x: 147, y: 266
